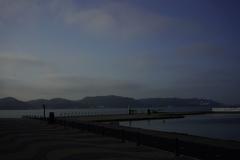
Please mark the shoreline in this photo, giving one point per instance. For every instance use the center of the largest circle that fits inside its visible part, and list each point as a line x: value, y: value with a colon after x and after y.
x: 179, y: 143
x: 189, y: 145
x: 176, y: 143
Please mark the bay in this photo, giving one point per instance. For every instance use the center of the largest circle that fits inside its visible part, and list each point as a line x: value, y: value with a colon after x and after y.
x: 223, y: 126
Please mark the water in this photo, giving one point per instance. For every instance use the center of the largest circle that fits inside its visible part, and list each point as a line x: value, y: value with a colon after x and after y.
x: 92, y: 111
x: 185, y: 109
x: 223, y: 126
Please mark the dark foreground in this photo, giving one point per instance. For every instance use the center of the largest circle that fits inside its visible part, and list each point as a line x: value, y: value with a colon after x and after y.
x: 26, y: 139
x: 181, y: 144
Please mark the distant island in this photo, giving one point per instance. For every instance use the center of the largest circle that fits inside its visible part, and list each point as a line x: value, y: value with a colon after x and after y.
x: 110, y: 101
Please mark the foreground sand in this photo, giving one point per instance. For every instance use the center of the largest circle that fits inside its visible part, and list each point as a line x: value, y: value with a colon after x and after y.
x: 24, y: 139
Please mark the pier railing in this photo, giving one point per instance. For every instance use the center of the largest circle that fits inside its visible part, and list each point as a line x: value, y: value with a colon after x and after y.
x: 144, y: 137
x: 199, y: 147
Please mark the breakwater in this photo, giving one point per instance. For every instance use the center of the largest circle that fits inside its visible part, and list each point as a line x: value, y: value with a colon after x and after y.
x: 27, y: 139
x: 180, y: 144
x: 198, y: 147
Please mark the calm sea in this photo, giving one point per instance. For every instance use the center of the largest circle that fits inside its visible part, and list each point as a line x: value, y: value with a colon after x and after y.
x: 62, y: 112
x: 223, y: 126
x: 92, y: 111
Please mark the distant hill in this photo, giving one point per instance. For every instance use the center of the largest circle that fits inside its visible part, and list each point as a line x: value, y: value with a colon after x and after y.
x: 58, y: 103
x: 110, y: 101
x: 12, y: 103
x: 178, y: 102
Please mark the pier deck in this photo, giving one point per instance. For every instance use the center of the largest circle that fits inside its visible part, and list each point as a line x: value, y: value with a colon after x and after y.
x: 125, y: 117
x: 27, y: 139
x: 196, y: 146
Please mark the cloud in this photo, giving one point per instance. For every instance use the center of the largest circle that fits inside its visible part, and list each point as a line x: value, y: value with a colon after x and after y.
x: 92, y: 84
x: 117, y: 18
x: 77, y: 87
x: 201, y: 49
x: 108, y: 17
x: 38, y: 78
x: 21, y: 88
x: 73, y: 87
x: 24, y: 67
x: 24, y: 60
x: 23, y: 11
x: 15, y: 63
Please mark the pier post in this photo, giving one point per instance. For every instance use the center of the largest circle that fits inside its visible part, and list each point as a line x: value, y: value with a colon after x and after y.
x: 148, y: 111
x: 138, y: 139
x: 177, y: 153
x: 103, y: 131
x: 44, y: 111
x: 51, y: 119
x: 123, y: 136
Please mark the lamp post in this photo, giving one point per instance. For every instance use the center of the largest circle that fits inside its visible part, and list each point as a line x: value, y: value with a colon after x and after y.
x: 44, y: 111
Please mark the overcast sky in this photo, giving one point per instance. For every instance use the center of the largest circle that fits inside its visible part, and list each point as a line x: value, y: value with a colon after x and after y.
x: 137, y: 48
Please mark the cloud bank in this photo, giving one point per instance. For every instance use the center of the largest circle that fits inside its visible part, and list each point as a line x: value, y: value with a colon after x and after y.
x: 112, y: 17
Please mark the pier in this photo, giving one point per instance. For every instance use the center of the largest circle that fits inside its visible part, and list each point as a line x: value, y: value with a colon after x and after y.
x: 122, y: 117
x: 32, y: 139
x: 97, y: 136
x: 179, y: 144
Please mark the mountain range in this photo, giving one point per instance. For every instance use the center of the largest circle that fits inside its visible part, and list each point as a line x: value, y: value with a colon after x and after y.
x: 110, y: 101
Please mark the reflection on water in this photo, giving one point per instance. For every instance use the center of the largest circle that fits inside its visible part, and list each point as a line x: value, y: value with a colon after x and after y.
x: 224, y: 126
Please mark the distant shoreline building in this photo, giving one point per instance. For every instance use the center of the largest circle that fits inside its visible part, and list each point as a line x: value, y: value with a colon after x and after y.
x: 230, y: 109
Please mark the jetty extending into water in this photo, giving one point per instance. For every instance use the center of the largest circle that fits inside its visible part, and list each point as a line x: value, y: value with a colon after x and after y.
x: 122, y: 117
x: 179, y: 144
x: 94, y: 137
x: 32, y: 139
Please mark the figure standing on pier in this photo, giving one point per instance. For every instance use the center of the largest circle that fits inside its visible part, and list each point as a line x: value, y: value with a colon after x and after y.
x: 44, y: 111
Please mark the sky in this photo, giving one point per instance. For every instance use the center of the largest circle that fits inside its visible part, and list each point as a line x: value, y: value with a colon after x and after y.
x: 136, y: 48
